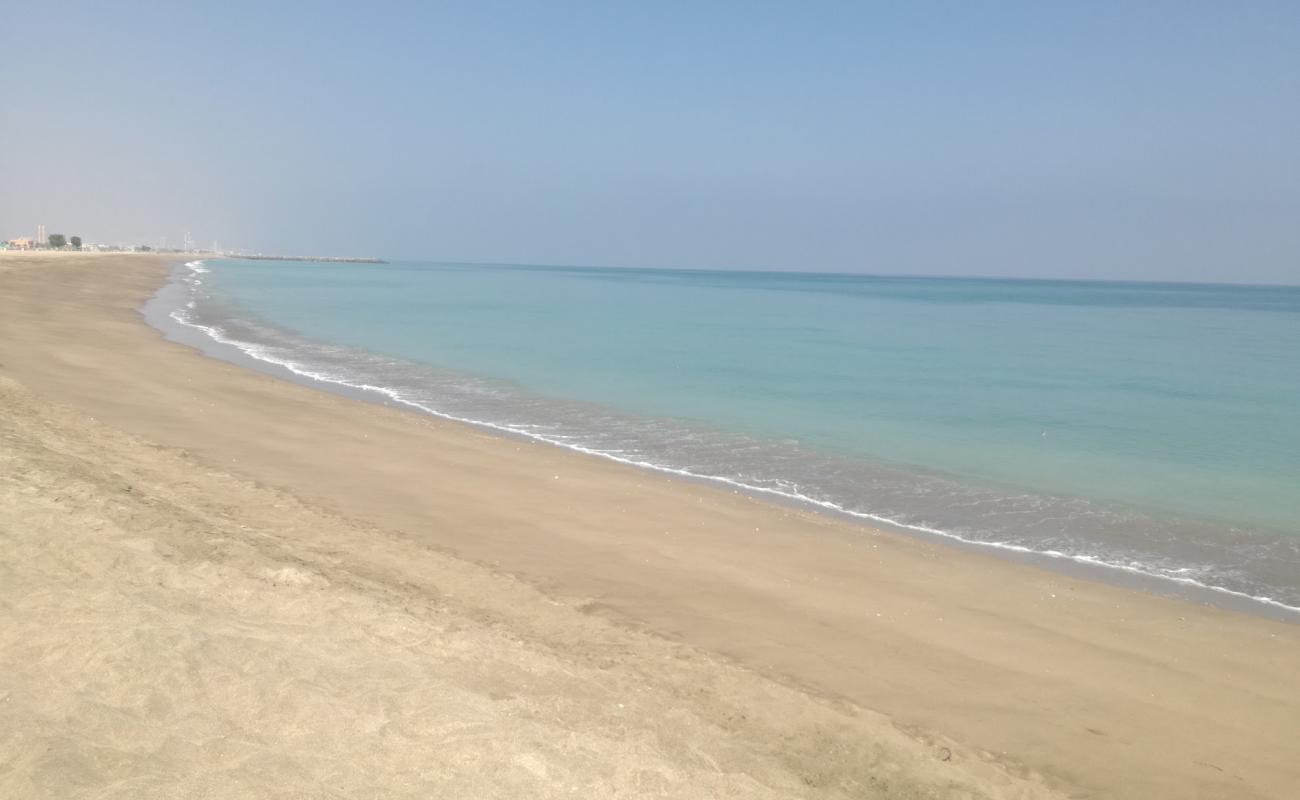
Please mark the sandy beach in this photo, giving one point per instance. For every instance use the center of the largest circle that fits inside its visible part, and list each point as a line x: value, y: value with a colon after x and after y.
x: 217, y: 583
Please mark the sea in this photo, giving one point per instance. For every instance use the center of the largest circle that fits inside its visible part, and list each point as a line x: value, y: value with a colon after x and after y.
x: 1149, y: 430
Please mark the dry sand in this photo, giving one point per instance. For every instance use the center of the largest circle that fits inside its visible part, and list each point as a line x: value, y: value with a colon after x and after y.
x: 216, y: 583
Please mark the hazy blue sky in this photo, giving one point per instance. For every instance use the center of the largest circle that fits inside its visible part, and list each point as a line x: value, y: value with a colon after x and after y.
x: 1129, y: 140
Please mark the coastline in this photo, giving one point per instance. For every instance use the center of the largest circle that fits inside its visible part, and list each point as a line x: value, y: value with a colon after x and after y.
x: 1075, y: 681
x: 1160, y: 552
x: 170, y: 310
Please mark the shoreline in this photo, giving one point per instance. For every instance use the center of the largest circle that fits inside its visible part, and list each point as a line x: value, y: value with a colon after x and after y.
x: 1072, y: 680
x: 161, y: 313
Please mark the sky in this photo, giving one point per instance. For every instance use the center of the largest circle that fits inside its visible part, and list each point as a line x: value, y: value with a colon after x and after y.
x: 1145, y: 141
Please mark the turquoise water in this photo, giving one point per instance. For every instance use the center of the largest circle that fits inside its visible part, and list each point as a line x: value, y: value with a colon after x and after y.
x: 1151, y: 427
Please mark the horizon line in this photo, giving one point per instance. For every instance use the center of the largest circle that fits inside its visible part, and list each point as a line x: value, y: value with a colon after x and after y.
x: 849, y: 274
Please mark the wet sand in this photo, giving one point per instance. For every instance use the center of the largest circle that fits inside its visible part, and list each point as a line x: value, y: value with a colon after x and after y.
x: 755, y: 649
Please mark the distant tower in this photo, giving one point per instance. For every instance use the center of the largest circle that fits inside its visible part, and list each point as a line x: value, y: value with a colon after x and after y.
x: 41, y: 238
x: 162, y: 242
x: 189, y: 242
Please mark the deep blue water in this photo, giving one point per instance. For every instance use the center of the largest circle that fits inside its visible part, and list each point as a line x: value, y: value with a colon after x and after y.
x: 1151, y: 427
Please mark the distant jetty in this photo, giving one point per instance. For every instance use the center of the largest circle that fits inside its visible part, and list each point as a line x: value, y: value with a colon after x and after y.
x: 333, y: 259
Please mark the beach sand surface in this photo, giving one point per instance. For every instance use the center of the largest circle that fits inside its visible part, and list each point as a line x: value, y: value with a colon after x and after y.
x: 217, y: 583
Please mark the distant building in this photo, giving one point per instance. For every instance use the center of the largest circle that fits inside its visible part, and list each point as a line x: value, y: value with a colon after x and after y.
x: 21, y: 243
x: 41, y: 238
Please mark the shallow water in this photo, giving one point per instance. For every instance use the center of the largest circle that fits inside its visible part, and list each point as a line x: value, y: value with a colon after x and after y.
x: 1153, y: 428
